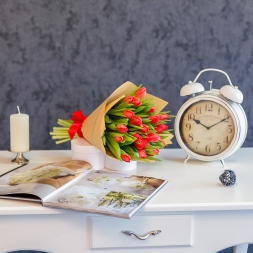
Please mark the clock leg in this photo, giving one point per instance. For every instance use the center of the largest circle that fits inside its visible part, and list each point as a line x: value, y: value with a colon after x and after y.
x: 223, y: 163
x: 187, y: 158
x: 241, y: 248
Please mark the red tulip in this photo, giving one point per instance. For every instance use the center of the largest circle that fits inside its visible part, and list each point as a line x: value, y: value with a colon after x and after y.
x: 164, y: 116
x: 128, y: 114
x: 156, y: 151
x: 151, y: 137
x: 142, y: 153
x: 135, y: 121
x: 125, y: 158
x: 144, y: 128
x: 152, y: 109
x: 140, y: 144
x: 136, y: 102
x: 141, y: 93
x: 129, y: 99
x: 132, y: 100
x: 163, y: 143
x: 137, y: 136
x: 160, y: 128
x: 122, y: 128
x: 154, y: 119
x: 118, y: 138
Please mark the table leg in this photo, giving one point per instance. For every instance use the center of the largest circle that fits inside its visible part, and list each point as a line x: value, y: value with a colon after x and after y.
x: 241, y: 248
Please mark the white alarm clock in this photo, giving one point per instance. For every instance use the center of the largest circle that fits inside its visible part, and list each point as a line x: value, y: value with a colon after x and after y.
x: 211, y: 125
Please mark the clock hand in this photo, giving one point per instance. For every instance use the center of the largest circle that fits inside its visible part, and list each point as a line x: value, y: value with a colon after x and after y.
x: 199, y: 123
x: 218, y: 122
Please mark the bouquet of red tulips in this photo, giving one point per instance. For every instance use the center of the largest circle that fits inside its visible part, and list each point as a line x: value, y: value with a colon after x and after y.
x: 134, y: 128
x: 128, y: 125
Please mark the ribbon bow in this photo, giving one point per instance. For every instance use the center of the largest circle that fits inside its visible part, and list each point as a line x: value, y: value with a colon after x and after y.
x: 76, y: 126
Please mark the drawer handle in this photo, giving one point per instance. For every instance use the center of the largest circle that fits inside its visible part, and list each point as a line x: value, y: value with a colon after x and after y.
x: 154, y: 232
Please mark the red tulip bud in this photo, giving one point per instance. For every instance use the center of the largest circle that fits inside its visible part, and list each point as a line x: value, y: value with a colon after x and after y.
x: 151, y: 137
x: 142, y: 153
x: 164, y: 116
x: 144, y: 128
x: 122, y: 128
x: 129, y: 99
x: 160, y: 128
x: 136, y: 102
x: 141, y: 93
x: 152, y: 109
x: 125, y: 158
x: 156, y: 151
x: 135, y: 121
x: 154, y: 119
x: 137, y: 136
x: 140, y: 144
x: 128, y: 114
x: 118, y: 138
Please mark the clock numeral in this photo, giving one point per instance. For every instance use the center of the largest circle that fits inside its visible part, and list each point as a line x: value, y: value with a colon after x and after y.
x: 191, y: 116
x: 197, y: 144
x: 226, y: 117
x: 219, y: 111
x: 198, y: 110
x: 188, y: 126
x: 229, y: 129
x: 209, y: 107
x: 190, y: 137
x: 208, y: 149
x: 218, y: 146
x: 226, y: 140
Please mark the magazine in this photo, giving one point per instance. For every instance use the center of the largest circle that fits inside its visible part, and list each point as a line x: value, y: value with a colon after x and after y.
x: 74, y: 185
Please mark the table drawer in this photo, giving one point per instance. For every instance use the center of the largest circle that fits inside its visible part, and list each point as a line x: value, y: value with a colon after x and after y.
x: 106, y: 232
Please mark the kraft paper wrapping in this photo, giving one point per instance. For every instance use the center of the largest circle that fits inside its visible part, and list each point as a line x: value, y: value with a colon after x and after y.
x: 94, y: 126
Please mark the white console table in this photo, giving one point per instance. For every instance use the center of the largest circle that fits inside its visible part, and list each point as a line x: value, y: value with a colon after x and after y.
x: 195, y: 212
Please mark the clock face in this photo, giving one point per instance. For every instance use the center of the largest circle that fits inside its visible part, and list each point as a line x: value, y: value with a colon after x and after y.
x: 207, y: 128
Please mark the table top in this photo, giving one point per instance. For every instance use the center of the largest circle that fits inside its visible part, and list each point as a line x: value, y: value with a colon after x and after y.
x: 193, y: 186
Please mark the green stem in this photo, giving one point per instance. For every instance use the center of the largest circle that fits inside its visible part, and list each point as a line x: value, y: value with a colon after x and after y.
x: 59, y: 137
x: 59, y: 133
x: 61, y: 128
x: 66, y: 123
x: 61, y: 141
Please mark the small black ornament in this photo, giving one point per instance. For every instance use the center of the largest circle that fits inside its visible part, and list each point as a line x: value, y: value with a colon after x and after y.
x: 228, y: 177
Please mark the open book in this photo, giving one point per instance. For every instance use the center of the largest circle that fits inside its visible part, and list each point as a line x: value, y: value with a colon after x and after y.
x: 76, y: 186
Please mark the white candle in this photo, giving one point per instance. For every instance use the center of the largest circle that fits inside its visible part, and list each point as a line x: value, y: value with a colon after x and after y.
x: 19, y: 133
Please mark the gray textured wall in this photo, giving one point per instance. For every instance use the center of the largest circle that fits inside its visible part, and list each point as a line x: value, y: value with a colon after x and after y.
x: 60, y: 56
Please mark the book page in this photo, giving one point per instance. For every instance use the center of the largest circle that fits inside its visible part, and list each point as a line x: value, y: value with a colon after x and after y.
x: 107, y: 193
x: 44, y: 180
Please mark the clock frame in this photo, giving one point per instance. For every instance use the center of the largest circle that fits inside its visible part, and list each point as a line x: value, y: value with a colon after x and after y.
x: 238, y: 120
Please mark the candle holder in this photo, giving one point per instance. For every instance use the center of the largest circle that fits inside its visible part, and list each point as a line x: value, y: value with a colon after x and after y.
x: 19, y: 159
